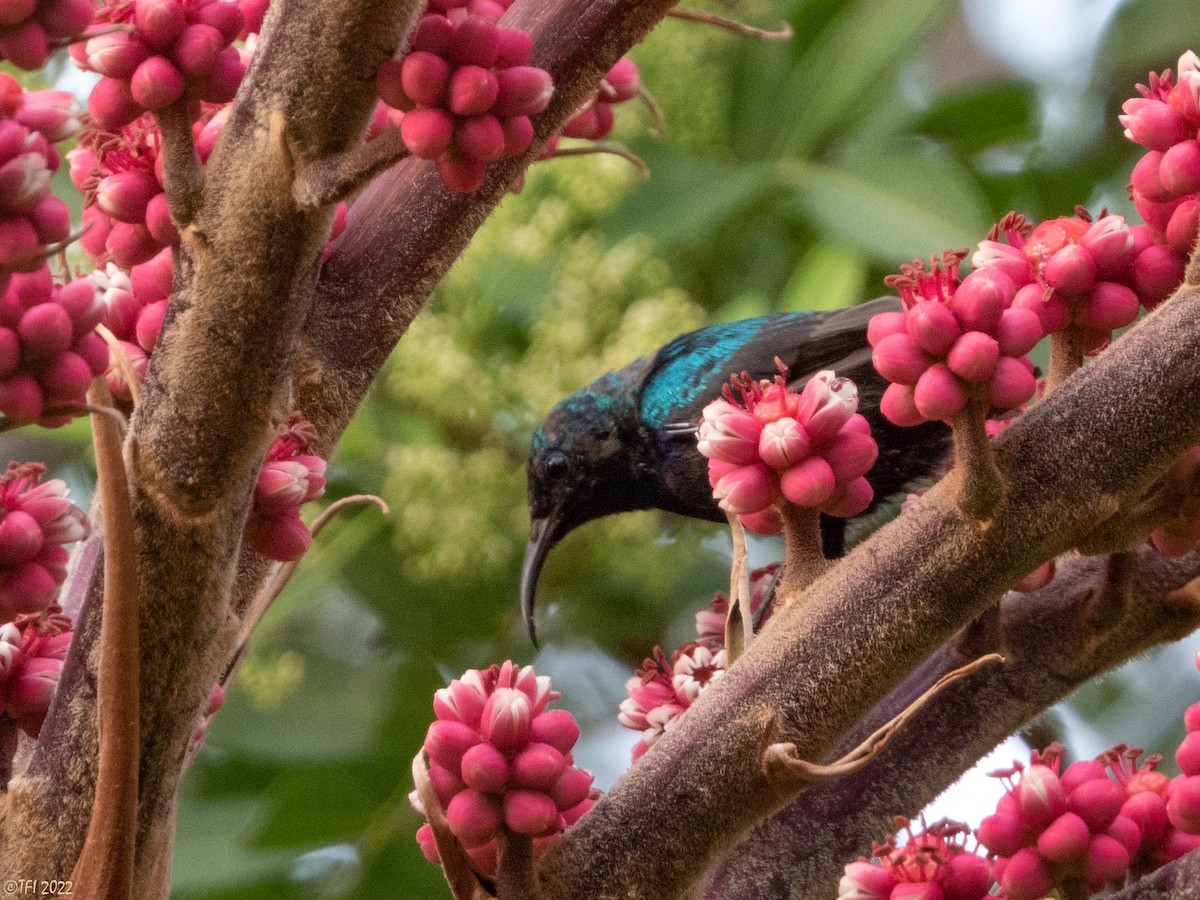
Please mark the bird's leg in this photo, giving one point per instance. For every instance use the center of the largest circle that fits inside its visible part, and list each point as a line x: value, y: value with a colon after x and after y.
x: 981, y: 486
x: 739, y: 620
x: 803, y: 560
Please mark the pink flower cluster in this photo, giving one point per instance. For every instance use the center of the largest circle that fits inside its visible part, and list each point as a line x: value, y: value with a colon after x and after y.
x: 933, y: 864
x: 135, y: 305
x: 179, y: 49
x: 810, y: 448
x: 36, y: 520
x: 120, y: 175
x: 49, y: 349
x: 1165, y: 181
x: 1182, y: 533
x: 662, y: 690
x: 498, y: 756
x: 32, y: 651
x: 1085, y: 824
x: 31, y: 217
x: 466, y: 90
x: 31, y: 29
x: 951, y: 341
x: 595, y: 119
x: 290, y: 477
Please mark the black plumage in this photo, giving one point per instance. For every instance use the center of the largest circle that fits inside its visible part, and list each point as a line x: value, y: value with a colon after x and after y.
x: 627, y: 441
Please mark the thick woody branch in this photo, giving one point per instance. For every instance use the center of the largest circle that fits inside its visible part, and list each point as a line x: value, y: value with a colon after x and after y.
x: 1050, y: 650
x: 219, y: 380
x: 406, y: 229
x: 821, y: 663
x: 1178, y: 880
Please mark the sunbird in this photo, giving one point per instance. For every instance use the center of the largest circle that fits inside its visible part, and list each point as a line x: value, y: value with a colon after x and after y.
x: 627, y: 441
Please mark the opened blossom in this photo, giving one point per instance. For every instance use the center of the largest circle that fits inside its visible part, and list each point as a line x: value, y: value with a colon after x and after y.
x: 775, y: 445
x: 933, y: 864
x: 32, y: 651
x: 499, y: 756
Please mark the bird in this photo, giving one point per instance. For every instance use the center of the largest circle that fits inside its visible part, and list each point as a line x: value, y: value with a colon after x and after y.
x: 627, y: 441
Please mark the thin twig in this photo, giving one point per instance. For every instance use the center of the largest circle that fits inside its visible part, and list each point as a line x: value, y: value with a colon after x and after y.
x: 604, y: 147
x: 783, y: 33
x: 338, y: 177
x: 183, y: 173
x: 124, y: 366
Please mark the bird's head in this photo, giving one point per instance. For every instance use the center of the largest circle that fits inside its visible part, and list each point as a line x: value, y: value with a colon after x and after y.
x: 585, y: 462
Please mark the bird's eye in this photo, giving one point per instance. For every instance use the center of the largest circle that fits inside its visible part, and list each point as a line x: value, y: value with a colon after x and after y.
x: 557, y: 465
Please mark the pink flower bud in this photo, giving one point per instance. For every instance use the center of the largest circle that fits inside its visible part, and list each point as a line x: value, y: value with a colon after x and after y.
x: 463, y: 700
x: 124, y: 195
x: 433, y: 34
x: 480, y: 138
x: 571, y: 788
x: 1106, y: 859
x: 981, y: 298
x: 782, y: 443
x: 462, y: 175
x: 538, y: 766
x: 507, y: 718
x: 898, y: 406
x: 918, y: 890
x: 824, y: 413
x: 159, y: 22
x: 1152, y: 123
x: 1126, y: 832
x: 473, y: 90
x: 151, y: 280
x: 966, y: 876
x: 1079, y: 772
x: 20, y: 538
x: 746, y: 489
x: 884, y: 324
x: 1026, y: 877
x: 865, y: 881
x: 485, y: 768
x: 131, y: 244
x: 14, y: 12
x: 447, y: 741
x: 1146, y: 179
x: 196, y: 50
x: 1156, y: 213
x: 1001, y: 833
x: 523, y: 91
x: 1191, y: 719
x: 810, y: 483
x: 45, y: 330
x: 731, y: 437
x: 1019, y: 330
x: 29, y: 694
x: 849, y: 499
x: 66, y: 380
x: 1012, y: 385
x: 1097, y: 801
x: 222, y: 84
x: 424, y: 77
x: 473, y: 817
x: 1108, y: 306
x: 1157, y: 272
x: 51, y: 219
x: 53, y: 113
x: 974, y: 356
x: 476, y: 43
x: 766, y: 522
x: 1148, y: 811
x: 939, y: 394
x: 149, y: 324
x: 1182, y: 227
x: 24, y: 180
x: 1040, y: 796
x: 445, y: 784
x: 66, y: 18
x: 898, y: 359
x: 1187, y: 755
x: 1071, y: 270
x: 1175, y: 844
x: 26, y: 46
x: 851, y: 454
x: 1037, y: 579
x: 1065, y: 840
x: 156, y: 83
x: 1179, y: 170
x: 428, y: 845
x: 1111, y: 243
x: 530, y: 812
x: 518, y: 135
x: 227, y: 18
x: 932, y: 327
x: 515, y: 48
x: 158, y: 220
x: 10, y: 352
x: 1183, y: 803
x: 21, y: 398
x: 427, y: 132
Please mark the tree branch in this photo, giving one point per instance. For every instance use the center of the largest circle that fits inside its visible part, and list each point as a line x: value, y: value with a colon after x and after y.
x: 821, y: 663
x: 1178, y: 880
x: 1050, y: 650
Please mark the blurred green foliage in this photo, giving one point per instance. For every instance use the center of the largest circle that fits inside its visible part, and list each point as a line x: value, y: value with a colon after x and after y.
x: 793, y: 176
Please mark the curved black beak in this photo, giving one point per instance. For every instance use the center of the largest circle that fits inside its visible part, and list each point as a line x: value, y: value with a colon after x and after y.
x: 541, y: 538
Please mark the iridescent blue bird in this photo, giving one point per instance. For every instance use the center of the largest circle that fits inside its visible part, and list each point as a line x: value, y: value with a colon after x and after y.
x: 627, y: 441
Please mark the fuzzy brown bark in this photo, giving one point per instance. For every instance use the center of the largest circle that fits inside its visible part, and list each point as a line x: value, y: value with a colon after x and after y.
x: 820, y: 664
x: 1179, y: 880
x: 1050, y: 649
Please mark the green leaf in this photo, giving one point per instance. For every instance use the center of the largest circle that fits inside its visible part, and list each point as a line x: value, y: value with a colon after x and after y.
x: 892, y: 212
x: 982, y: 116
x: 1130, y: 41
x: 832, y: 275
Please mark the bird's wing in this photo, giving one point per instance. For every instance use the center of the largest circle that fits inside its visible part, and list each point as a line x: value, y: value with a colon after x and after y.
x: 688, y: 373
